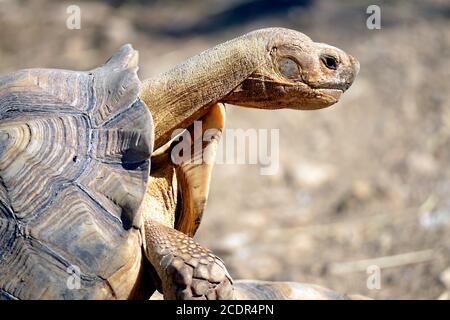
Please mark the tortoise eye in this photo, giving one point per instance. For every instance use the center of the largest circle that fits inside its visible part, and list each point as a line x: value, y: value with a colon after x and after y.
x: 329, y: 61
x: 289, y: 68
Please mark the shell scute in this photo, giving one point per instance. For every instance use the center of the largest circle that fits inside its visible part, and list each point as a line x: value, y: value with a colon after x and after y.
x: 74, y: 162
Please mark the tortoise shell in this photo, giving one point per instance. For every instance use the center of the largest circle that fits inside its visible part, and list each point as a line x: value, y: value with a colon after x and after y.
x: 74, y: 164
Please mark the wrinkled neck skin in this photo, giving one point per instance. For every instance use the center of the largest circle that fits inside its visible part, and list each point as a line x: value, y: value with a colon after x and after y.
x: 183, y: 94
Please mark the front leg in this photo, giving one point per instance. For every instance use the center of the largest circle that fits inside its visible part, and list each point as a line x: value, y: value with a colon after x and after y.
x: 186, y: 269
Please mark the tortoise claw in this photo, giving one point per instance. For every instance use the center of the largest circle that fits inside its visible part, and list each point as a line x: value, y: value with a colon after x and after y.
x: 196, y: 275
x: 186, y: 269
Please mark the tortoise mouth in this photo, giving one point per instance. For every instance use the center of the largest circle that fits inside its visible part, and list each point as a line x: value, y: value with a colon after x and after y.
x: 317, y: 98
x: 333, y: 94
x: 276, y: 95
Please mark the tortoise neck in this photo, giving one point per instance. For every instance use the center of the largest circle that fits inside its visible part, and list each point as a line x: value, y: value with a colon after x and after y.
x: 183, y: 94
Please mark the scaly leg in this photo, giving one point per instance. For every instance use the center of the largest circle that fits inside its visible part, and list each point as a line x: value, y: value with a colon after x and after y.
x: 186, y: 269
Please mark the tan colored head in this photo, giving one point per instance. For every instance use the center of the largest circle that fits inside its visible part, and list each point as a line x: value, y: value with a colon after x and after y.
x: 272, y: 68
x: 294, y: 72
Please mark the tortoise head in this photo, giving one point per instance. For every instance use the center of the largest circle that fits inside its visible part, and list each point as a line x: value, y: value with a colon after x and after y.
x: 295, y: 73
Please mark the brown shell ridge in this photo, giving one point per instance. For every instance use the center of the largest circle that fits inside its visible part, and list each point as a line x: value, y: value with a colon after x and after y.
x: 74, y: 163
x: 40, y: 255
x: 20, y: 233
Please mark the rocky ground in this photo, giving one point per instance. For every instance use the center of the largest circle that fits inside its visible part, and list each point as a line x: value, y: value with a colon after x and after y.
x: 363, y: 183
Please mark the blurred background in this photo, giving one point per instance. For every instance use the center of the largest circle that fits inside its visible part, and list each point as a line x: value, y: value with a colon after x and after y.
x: 365, y: 182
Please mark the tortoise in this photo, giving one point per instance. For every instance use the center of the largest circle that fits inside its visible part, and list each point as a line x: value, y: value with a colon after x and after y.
x: 88, y: 209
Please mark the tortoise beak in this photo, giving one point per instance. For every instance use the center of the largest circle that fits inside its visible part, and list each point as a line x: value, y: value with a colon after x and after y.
x: 348, y: 74
x: 356, y: 64
x: 352, y: 73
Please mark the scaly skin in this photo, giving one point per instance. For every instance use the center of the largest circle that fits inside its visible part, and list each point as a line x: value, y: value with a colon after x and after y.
x: 186, y: 270
x: 77, y: 198
x: 266, y: 69
x: 249, y: 71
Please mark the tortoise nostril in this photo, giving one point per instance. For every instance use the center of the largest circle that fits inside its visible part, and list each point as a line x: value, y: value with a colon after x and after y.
x: 347, y: 85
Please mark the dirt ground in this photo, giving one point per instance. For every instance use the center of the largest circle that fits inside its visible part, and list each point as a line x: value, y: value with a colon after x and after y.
x: 363, y: 183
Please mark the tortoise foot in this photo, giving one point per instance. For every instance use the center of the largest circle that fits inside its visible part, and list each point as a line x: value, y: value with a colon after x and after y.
x: 186, y: 269
x: 197, y: 276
